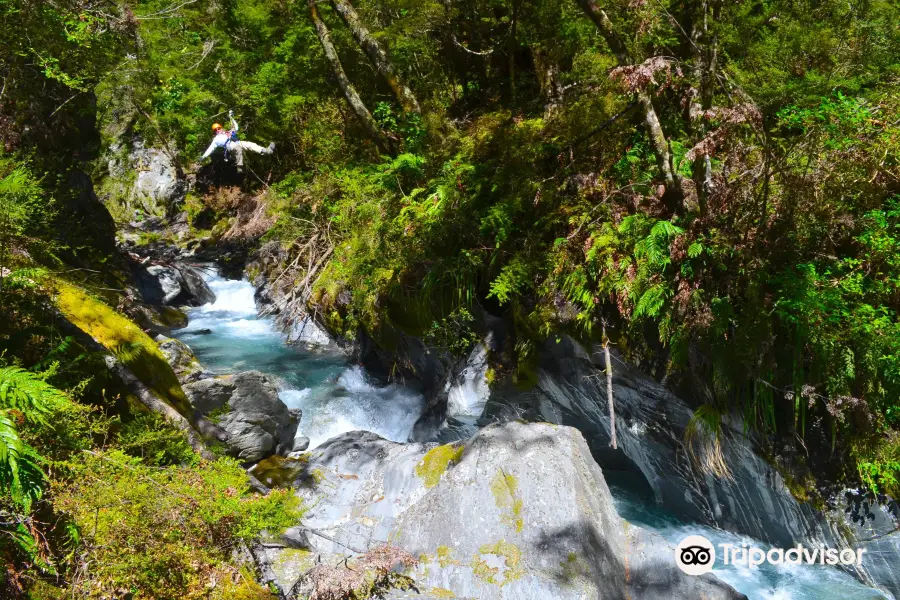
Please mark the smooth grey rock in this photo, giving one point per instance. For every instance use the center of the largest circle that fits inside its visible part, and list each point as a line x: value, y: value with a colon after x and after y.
x: 209, y: 395
x: 306, y: 331
x: 523, y: 514
x: 196, y: 292
x: 650, y: 426
x: 174, y: 284
x: 161, y: 284
x: 258, y: 421
x: 468, y: 390
x: 301, y: 443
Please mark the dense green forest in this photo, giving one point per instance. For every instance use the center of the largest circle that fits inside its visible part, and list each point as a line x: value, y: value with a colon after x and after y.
x: 713, y: 186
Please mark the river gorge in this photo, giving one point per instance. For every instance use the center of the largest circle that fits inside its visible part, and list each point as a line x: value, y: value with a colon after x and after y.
x: 228, y: 336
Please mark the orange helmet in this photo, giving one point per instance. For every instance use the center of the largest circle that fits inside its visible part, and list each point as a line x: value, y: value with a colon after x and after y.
x: 216, y: 126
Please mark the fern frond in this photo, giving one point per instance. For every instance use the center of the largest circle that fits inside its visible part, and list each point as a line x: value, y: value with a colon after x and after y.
x: 21, y: 476
x: 27, y: 392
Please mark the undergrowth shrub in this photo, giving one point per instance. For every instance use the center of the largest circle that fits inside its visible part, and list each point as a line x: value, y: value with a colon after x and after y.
x: 163, y: 533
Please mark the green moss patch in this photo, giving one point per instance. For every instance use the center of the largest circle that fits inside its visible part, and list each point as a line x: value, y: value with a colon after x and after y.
x: 435, y: 463
x: 125, y: 340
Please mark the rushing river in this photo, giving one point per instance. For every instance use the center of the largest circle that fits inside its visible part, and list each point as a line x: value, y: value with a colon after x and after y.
x: 336, y: 397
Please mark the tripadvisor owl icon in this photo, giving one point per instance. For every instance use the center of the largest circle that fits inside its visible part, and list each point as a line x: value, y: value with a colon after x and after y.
x: 695, y: 555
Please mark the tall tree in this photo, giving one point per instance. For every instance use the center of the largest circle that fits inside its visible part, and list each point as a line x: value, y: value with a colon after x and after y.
x: 658, y: 139
x: 547, y: 69
x: 350, y: 93
x: 704, y: 41
x: 377, y: 55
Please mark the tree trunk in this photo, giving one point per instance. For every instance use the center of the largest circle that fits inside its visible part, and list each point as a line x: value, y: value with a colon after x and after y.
x: 658, y: 140
x: 511, y: 46
x: 548, y: 77
x: 362, y: 113
x: 375, y: 53
x: 705, y: 42
x: 609, y: 392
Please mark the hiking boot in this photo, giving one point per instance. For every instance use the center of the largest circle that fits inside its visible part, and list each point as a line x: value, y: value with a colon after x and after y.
x: 271, y: 148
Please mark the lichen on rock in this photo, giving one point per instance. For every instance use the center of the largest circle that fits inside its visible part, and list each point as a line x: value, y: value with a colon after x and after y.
x: 510, y: 567
x: 436, y: 461
x: 504, y: 487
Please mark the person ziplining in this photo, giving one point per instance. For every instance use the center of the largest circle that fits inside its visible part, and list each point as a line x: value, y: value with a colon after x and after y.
x: 229, y: 142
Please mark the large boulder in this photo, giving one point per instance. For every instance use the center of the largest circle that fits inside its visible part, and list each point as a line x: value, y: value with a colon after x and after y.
x: 194, y: 288
x: 257, y: 420
x: 518, y: 512
x: 160, y: 284
x: 173, y: 284
x: 209, y: 395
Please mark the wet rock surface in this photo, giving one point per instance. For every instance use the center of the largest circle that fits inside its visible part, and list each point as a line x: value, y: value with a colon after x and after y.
x: 258, y: 421
x: 650, y: 424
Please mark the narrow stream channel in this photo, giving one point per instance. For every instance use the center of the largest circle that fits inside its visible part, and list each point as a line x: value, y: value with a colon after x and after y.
x: 336, y: 397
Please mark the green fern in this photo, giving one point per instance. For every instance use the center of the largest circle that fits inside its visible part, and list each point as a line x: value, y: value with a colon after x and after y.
x: 28, y: 393
x: 652, y: 301
x: 21, y: 476
x: 24, y: 396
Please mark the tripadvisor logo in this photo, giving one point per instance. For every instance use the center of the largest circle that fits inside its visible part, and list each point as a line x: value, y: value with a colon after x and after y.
x: 696, y: 555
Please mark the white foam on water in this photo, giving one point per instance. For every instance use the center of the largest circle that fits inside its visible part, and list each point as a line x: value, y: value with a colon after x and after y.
x: 773, y: 582
x: 353, y: 403
x: 233, y: 296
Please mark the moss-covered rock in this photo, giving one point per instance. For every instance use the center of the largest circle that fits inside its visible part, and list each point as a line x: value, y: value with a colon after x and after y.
x: 278, y: 471
x: 125, y: 340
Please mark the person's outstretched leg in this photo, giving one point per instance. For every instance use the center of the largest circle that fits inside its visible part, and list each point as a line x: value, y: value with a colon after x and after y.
x: 256, y: 147
x: 236, y: 149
